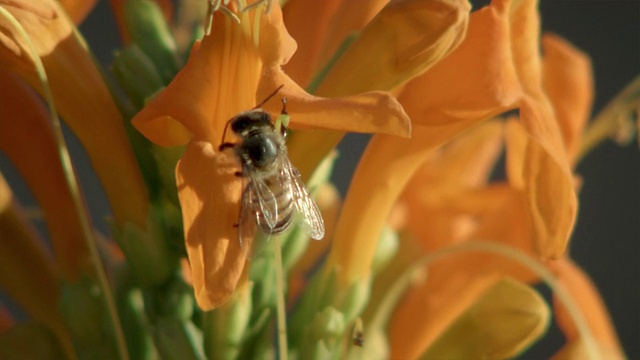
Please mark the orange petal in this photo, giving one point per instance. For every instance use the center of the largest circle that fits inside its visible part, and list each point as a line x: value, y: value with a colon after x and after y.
x: 82, y: 99
x: 546, y: 173
x: 308, y: 23
x: 432, y: 305
x: 28, y: 274
x: 320, y: 27
x: 548, y: 181
x: 568, y: 81
x: 210, y: 194
x: 591, y: 306
x: 383, y: 171
x: 372, y: 112
x: 476, y: 81
x: 78, y: 9
x: 404, y: 40
x: 220, y: 79
x: 26, y: 138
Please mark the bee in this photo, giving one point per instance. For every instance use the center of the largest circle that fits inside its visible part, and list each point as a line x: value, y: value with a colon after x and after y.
x: 273, y: 190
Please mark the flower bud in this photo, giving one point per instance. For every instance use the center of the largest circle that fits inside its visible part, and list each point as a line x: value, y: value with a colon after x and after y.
x: 505, y: 320
x: 224, y: 327
x: 137, y: 74
x: 322, y: 336
x: 150, y: 31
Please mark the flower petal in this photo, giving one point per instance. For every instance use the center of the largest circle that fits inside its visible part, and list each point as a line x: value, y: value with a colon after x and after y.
x: 210, y: 195
x: 319, y: 27
x: 308, y: 23
x: 432, y: 305
x: 36, y: 159
x: 78, y: 9
x: 568, y: 81
x: 220, y: 79
x: 476, y: 81
x: 405, y: 39
x: 82, y: 99
x: 372, y: 112
x: 591, y: 306
x: 33, y: 287
x: 504, y: 321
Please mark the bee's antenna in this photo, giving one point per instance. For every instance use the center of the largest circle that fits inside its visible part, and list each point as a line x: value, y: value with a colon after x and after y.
x: 224, y: 132
x: 269, y: 97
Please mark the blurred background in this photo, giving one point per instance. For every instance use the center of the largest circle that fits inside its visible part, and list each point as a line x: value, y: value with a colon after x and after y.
x: 606, y: 241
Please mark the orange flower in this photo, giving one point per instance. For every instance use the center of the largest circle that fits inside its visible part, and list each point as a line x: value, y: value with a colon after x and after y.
x: 230, y: 71
x: 26, y: 118
x: 442, y: 213
x: 81, y: 97
x: 403, y: 40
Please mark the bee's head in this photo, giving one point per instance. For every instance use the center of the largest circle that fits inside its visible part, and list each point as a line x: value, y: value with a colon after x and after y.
x: 251, y: 120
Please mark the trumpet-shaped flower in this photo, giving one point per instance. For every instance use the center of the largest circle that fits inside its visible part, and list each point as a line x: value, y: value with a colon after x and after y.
x: 438, y: 219
x: 80, y: 95
x: 230, y: 71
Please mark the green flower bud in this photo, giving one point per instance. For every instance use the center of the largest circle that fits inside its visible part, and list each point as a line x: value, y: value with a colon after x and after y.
x: 322, y: 338
x: 82, y: 308
x: 135, y: 325
x: 176, y: 339
x: 147, y: 253
x: 503, y: 322
x: 150, y: 31
x: 174, y: 300
x: 224, y: 327
x: 385, y: 250
x: 136, y: 74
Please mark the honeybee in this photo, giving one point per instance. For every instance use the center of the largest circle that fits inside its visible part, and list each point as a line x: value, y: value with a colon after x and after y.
x: 273, y: 190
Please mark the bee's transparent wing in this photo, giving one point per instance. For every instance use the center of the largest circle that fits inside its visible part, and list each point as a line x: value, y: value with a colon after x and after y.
x: 311, y: 216
x: 252, y: 214
x: 265, y: 202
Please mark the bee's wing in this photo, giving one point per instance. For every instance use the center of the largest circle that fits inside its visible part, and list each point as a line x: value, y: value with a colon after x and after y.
x: 247, y: 217
x: 265, y: 202
x: 311, y: 216
x: 250, y: 216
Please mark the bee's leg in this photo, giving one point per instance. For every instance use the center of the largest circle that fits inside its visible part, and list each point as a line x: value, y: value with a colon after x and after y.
x: 283, y: 120
x: 225, y: 146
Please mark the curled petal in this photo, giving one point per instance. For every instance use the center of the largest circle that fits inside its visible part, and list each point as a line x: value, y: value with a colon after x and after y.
x: 371, y: 112
x: 549, y: 186
x: 477, y: 80
x: 210, y: 194
x: 568, y: 81
x: 406, y: 38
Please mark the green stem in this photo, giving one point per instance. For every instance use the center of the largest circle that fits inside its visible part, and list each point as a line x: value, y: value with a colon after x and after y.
x: 282, y: 322
x: 74, y: 188
x: 610, y: 121
x: 317, y: 80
